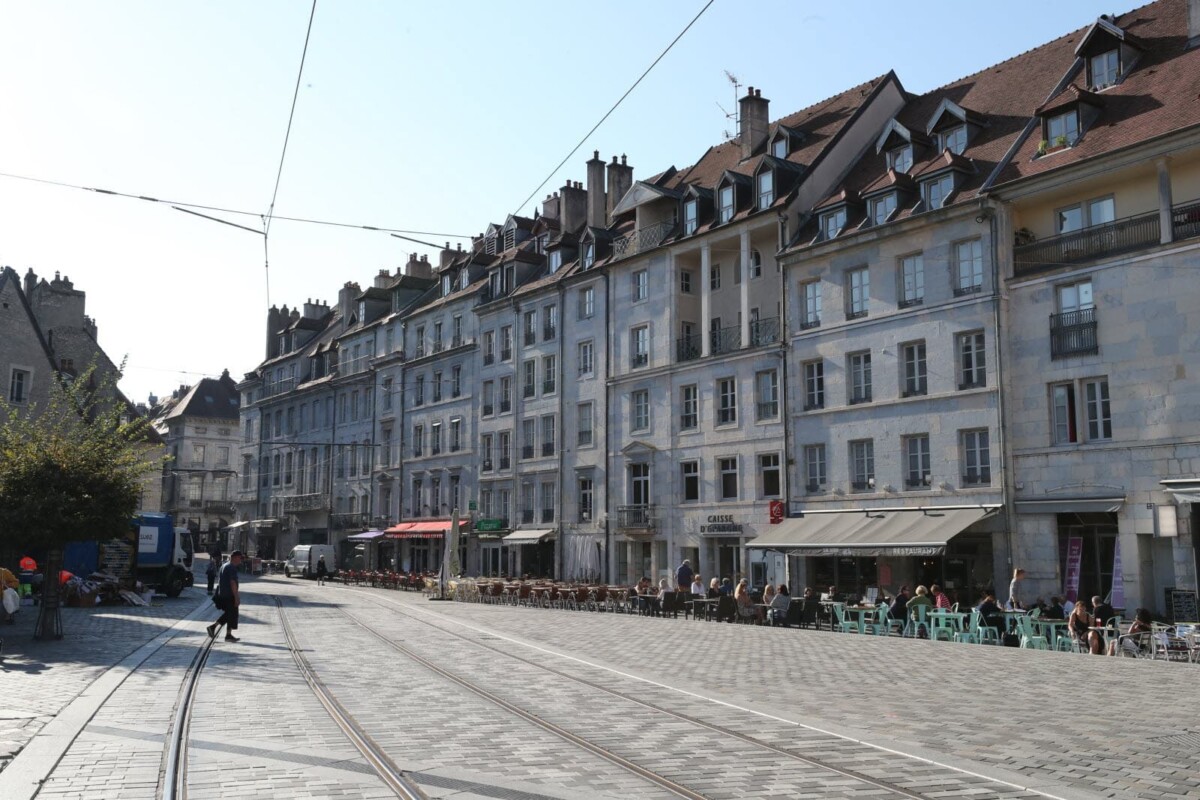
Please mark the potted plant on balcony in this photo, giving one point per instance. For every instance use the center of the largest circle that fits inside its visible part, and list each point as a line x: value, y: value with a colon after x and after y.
x: 1023, y: 236
x: 1042, y: 145
x: 1060, y: 141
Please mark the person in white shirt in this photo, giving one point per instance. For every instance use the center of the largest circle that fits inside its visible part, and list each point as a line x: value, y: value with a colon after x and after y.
x: 697, y: 586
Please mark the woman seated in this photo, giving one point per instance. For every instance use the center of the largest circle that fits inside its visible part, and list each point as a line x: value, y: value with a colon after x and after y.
x: 1134, y: 645
x: 990, y: 613
x: 777, y: 613
x: 768, y: 595
x: 745, y: 606
x: 1078, y: 623
x: 1054, y: 610
x: 697, y: 587
x: 714, y: 589
x: 921, y: 598
x: 940, y: 600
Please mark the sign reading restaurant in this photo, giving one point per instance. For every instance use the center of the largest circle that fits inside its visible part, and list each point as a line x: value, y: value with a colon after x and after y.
x: 721, y: 523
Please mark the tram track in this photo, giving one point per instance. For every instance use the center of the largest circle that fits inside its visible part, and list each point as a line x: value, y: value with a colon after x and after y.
x: 663, y: 782
x: 174, y: 783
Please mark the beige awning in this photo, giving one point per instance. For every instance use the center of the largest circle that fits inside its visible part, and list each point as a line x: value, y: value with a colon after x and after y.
x: 871, y: 532
x: 1071, y: 505
x: 531, y: 536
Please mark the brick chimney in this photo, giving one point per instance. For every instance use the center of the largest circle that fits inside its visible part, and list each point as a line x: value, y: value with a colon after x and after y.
x: 753, y: 122
x: 315, y: 309
x: 30, y: 282
x: 573, y: 206
x: 346, y: 295
x: 620, y: 179
x: 550, y: 206
x: 447, y: 256
x: 418, y: 267
x: 595, y: 192
x: 383, y: 279
x: 272, y: 332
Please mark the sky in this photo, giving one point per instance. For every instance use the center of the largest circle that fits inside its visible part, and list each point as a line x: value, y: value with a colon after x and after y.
x: 437, y: 118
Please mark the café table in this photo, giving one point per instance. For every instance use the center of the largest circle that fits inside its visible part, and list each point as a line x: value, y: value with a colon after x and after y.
x: 863, y: 615
x: 1052, y: 629
x: 702, y: 605
x: 943, y: 619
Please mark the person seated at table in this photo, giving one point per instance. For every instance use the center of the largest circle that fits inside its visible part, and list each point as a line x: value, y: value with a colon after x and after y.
x: 777, y: 613
x: 697, y: 586
x: 1067, y: 608
x: 808, y: 594
x: 1134, y: 645
x: 1102, y: 612
x: 921, y: 598
x: 768, y: 595
x: 834, y: 596
x: 1079, y: 622
x: 899, y: 608
x: 726, y: 586
x: 990, y: 613
x: 1053, y: 609
x: 940, y: 600
x: 714, y: 589
x: 640, y: 590
x: 745, y: 605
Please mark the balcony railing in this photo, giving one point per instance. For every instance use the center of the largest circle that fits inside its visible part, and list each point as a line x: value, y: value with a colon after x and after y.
x: 489, y: 359
x: 768, y: 410
x: 529, y: 390
x: 977, y: 478
x: 438, y: 346
x: 1111, y: 238
x: 547, y: 448
x: 420, y: 351
x: 764, y: 331
x: 527, y: 451
x: 636, y: 517
x: 347, y: 522
x: 505, y: 463
x: 488, y: 409
x: 547, y: 515
x: 505, y: 406
x: 641, y: 240
x: 1185, y: 221
x: 726, y: 340
x: 527, y: 515
x: 530, y: 337
x: 218, y: 507
x: 638, y: 360
x: 457, y: 341
x: 306, y: 502
x: 506, y: 354
x: 1073, y: 333
x: 549, y: 332
x: 810, y: 322
x: 688, y: 348
x: 548, y: 386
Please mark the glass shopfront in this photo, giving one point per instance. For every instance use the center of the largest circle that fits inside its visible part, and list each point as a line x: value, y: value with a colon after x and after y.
x: 1098, y: 535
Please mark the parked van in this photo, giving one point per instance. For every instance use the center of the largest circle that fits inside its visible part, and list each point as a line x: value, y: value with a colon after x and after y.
x: 303, y: 560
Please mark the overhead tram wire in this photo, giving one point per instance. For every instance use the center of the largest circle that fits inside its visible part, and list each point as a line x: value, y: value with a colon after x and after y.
x: 283, y: 155
x: 608, y: 113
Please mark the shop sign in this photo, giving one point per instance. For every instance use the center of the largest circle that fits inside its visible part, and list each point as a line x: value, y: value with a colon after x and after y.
x: 1117, y: 597
x: 775, y: 510
x: 472, y: 505
x: 721, y: 523
x: 1074, y: 561
x: 490, y: 525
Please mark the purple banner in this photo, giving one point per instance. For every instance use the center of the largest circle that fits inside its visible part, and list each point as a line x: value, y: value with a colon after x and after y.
x: 1074, y: 560
x: 1117, y: 597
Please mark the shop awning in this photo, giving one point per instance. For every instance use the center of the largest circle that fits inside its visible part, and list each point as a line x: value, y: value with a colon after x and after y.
x: 237, y: 525
x: 428, y: 529
x: 1071, y: 505
x: 871, y: 532
x: 263, y: 523
x: 532, y: 536
x: 1182, y: 490
x: 365, y: 536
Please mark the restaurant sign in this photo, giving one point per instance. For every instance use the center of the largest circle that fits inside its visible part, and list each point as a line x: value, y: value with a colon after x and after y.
x: 486, y: 525
x: 721, y: 523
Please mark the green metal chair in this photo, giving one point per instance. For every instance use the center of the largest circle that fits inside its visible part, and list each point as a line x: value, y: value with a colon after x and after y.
x: 843, y: 622
x: 918, y: 617
x: 1029, y: 639
x: 884, y: 623
x: 970, y: 634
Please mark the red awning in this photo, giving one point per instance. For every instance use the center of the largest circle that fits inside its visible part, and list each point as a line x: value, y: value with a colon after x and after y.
x: 428, y: 529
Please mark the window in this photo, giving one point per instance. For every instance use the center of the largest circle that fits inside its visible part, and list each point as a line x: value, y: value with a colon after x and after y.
x: 489, y: 347
x: 639, y: 484
x: 455, y: 435
x: 766, y: 189
x: 437, y: 337
x: 549, y: 374
x: 385, y: 451
x: 725, y: 203
x: 640, y: 284
x: 1099, y: 415
x: 689, y: 473
x: 549, y: 435
x: 436, y: 387
x: 882, y: 208
x: 387, y: 395
x: 488, y: 398
x: 506, y: 343
x: 689, y: 413
x: 1062, y: 130
x: 549, y: 323
x: 714, y: 277
x: 585, y: 500
x: 18, y: 386
x: 954, y: 139
x: 639, y: 346
x: 555, y: 261
x: 814, y: 468
x: 589, y: 254
x: 1105, y: 69
x: 583, y: 436
x: 936, y: 191
x: 814, y: 385
x: 528, y: 435
x: 971, y: 361
x: 767, y: 385
x: 691, y: 213
x: 860, y: 377
x: 530, y: 327
x: 832, y: 223
x: 916, y: 461
x: 968, y: 259
x: 900, y: 158
x: 247, y: 469
x: 587, y: 302
x: 858, y: 292
x: 505, y: 448
x: 456, y: 381
x: 529, y: 383
x: 198, y: 454
x: 769, y: 475
x: 728, y: 470
x: 505, y: 395
x: 486, y: 451
x: 418, y: 441
x: 249, y: 431
x: 912, y: 280
x: 1085, y: 215
x: 915, y: 373
x: 527, y: 502
x: 779, y: 147
x: 547, y: 502
x: 457, y: 339
x: 585, y: 359
x: 862, y: 465
x: 726, y: 401
x: 419, y: 391
x: 685, y: 281
x: 639, y: 410
x: 811, y: 313
x: 755, y: 264
x: 420, y: 343
x: 976, y: 458
x: 222, y: 456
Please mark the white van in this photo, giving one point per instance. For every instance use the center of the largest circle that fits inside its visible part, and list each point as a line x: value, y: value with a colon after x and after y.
x: 303, y: 560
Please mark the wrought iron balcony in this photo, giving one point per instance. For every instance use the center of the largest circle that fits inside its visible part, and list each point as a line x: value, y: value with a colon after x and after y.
x: 641, y: 240
x: 726, y: 340
x: 638, y: 360
x: 527, y: 451
x: 438, y: 346
x: 529, y: 390
x: 1098, y: 241
x: 863, y: 396
x: 768, y: 409
x: 506, y: 354
x: 1185, y: 221
x: 1073, y: 333
x: 505, y: 406
x: 548, y: 386
x: 547, y: 515
x: 549, y: 332
x: 457, y: 341
x: 349, y: 521
x: 489, y: 359
x: 505, y: 463
x: 764, y: 331
x: 488, y: 409
x: 810, y: 323
x: 688, y: 348
x: 530, y: 336
x: 636, y: 517
x: 526, y: 515
x: 306, y: 502
x: 218, y: 507
x: 981, y: 477
x: 547, y: 448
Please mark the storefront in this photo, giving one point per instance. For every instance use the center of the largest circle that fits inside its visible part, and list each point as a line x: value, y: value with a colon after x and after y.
x: 532, y: 551
x: 421, y: 543
x: 361, y: 551
x: 487, y: 556
x: 1085, y: 538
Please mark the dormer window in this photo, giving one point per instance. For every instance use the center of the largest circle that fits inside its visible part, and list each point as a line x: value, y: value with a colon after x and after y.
x: 589, y: 254
x: 1104, y: 69
x: 900, y: 158
x: 283, y: 348
x: 362, y: 310
x: 882, y: 208
x: 555, y: 261
x: 725, y: 204
x: 935, y: 192
x: 1063, y: 129
x: 447, y: 285
x: 539, y: 244
x: 766, y: 189
x: 953, y: 139
x: 510, y: 238
x: 489, y: 244
x: 832, y: 223
x: 691, y: 214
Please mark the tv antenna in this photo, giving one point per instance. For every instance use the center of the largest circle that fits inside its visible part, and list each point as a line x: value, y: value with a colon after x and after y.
x: 731, y: 115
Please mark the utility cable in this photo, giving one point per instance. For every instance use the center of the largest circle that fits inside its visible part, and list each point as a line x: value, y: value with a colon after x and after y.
x: 608, y: 113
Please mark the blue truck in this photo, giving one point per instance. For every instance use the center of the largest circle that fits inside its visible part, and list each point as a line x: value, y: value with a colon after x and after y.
x: 153, y: 551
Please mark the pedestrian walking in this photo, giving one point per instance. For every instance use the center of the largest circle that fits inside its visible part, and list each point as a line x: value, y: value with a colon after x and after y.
x: 211, y: 573
x: 684, y: 575
x: 322, y: 571
x: 228, y: 598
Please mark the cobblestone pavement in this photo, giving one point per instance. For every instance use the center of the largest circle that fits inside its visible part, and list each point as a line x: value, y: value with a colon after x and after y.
x: 915, y: 718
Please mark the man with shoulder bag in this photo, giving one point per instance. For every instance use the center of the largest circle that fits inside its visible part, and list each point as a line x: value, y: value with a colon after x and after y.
x: 228, y: 598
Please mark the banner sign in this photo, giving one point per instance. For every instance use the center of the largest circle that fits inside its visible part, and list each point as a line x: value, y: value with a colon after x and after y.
x: 147, y: 539
x: 775, y: 509
x: 1074, y: 562
x: 1117, y: 596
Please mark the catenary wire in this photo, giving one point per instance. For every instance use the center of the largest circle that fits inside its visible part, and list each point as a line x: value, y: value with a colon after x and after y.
x: 620, y: 100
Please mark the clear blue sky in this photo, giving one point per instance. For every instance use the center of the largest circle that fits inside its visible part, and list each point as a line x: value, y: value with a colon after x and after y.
x: 433, y: 117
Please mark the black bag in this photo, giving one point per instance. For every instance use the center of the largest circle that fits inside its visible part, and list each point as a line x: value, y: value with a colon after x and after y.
x: 219, y: 602
x: 1011, y: 640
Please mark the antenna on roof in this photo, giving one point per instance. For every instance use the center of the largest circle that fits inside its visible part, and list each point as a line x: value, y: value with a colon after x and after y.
x: 727, y: 133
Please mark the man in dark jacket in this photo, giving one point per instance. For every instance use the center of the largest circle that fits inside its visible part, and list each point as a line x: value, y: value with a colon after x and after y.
x: 228, y: 598
x: 684, y: 575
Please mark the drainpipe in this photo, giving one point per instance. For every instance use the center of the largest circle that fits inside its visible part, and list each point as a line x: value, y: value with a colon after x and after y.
x: 560, y: 558
x: 1007, y: 483
x: 608, y: 538
x: 784, y: 408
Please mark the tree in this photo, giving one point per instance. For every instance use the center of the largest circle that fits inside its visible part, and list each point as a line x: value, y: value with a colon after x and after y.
x: 69, y: 471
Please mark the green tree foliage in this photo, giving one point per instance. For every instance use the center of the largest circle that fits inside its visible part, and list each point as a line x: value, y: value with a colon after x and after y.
x: 73, y: 469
